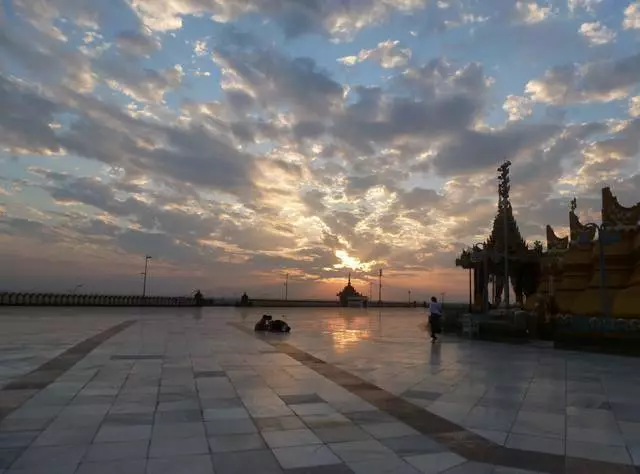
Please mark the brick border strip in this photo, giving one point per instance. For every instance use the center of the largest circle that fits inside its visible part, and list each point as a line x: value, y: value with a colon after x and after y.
x: 18, y: 391
x: 455, y: 437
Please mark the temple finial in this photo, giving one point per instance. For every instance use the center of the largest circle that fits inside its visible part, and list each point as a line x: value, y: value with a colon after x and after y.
x: 349, y: 278
x: 573, y: 205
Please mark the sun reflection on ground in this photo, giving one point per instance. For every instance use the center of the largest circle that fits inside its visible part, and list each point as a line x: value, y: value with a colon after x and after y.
x: 346, y: 332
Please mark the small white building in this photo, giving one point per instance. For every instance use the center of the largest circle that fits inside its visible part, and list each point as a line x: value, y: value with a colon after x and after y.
x: 357, y: 301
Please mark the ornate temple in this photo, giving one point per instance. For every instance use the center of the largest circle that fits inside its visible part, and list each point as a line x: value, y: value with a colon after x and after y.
x: 350, y: 297
x: 593, y: 271
x: 486, y: 259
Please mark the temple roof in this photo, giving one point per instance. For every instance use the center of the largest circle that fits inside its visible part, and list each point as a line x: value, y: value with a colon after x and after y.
x: 496, y: 239
x: 495, y: 244
x: 616, y: 215
x: 348, y: 290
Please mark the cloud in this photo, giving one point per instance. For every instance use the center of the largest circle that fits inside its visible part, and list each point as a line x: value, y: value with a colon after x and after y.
x: 339, y: 20
x: 43, y: 16
x: 586, y: 5
x: 82, y: 73
x: 273, y: 79
x: 47, y: 59
x: 387, y: 54
x: 171, y: 231
x: 531, y: 12
x: 596, y: 33
x: 136, y: 43
x: 477, y: 150
x: 200, y: 48
x: 447, y: 99
x: 101, y: 195
x: 598, y: 81
x: 517, y: 107
x: 23, y: 227
x: 536, y: 176
x: 272, y: 165
x: 162, y: 246
x: 440, y: 77
x: 400, y: 119
x: 632, y: 16
x: 25, y: 124
x: 146, y: 85
x: 634, y: 106
x: 189, y: 154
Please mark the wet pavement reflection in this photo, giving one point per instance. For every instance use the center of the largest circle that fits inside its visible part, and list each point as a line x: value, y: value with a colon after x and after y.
x: 352, y: 389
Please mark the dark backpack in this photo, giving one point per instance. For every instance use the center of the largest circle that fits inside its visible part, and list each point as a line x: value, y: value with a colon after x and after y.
x: 279, y: 325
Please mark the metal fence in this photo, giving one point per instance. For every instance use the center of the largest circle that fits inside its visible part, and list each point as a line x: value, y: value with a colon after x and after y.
x: 56, y: 299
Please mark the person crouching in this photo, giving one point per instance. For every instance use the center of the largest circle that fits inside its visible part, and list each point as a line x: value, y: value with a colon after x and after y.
x: 264, y: 324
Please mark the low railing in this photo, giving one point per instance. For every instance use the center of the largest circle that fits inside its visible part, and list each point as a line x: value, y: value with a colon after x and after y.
x: 57, y: 299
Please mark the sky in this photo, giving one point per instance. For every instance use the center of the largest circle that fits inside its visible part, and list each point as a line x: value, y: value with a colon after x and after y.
x: 237, y: 141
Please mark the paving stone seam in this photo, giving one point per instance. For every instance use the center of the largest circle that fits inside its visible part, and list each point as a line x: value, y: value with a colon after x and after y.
x: 456, y: 438
x: 63, y: 362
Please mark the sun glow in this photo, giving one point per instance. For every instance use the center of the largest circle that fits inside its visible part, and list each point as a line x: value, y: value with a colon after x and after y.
x: 347, y: 261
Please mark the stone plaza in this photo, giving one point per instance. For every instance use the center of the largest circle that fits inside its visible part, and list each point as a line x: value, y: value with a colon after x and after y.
x: 196, y: 391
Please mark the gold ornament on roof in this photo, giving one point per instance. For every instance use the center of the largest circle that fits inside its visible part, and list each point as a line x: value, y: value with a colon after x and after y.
x: 616, y: 215
x: 554, y: 242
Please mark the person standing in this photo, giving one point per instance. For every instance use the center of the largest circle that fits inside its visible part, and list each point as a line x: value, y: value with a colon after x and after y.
x: 435, y: 318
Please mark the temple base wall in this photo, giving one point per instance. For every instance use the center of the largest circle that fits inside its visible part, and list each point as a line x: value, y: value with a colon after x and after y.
x: 626, y: 302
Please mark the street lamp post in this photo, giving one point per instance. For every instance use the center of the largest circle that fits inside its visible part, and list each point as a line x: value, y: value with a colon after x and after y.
x: 503, y: 191
x: 409, y: 297
x: 286, y: 287
x: 146, y: 272
x: 470, y: 292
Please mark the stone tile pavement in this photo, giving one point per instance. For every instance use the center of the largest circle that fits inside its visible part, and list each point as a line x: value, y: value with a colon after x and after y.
x: 348, y: 391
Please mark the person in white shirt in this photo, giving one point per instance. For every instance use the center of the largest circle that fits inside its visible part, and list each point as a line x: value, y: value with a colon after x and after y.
x: 435, y: 318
